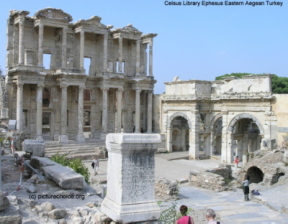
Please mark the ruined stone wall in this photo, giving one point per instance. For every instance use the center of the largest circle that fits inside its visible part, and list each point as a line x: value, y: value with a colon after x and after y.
x: 280, y: 109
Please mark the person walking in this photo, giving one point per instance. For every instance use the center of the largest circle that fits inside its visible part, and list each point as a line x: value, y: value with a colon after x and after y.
x: 210, y: 216
x: 95, y: 165
x: 236, y: 161
x: 246, y: 183
x: 184, y: 219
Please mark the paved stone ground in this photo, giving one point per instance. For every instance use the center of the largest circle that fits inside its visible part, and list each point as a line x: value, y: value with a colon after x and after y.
x: 269, y: 208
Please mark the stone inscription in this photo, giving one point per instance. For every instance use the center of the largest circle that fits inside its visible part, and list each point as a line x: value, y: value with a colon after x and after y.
x: 138, y: 175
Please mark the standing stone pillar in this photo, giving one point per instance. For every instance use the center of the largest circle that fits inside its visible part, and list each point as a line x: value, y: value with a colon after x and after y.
x: 80, y: 137
x: 137, y: 111
x: 21, y: 40
x: 151, y: 57
x: 64, y: 51
x: 149, y: 111
x: 226, y: 140
x: 131, y: 171
x: 138, y: 57
x: 19, y: 115
x: 120, y: 69
x: 105, y: 109
x: 194, y: 137
x: 40, y: 43
x: 39, y: 112
x: 63, y: 137
x: 119, y: 109
x: 82, y: 37
x: 105, y: 52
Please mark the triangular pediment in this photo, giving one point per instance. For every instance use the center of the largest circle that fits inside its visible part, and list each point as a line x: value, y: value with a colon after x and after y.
x: 53, y: 14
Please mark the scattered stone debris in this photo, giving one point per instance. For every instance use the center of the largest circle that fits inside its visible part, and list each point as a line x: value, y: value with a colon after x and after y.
x: 165, y: 190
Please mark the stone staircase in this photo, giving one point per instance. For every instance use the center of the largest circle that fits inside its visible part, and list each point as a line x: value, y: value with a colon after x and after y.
x: 72, y: 149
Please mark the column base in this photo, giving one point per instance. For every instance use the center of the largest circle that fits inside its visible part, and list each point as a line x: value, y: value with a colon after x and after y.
x: 39, y: 138
x: 63, y: 139
x: 133, y: 212
x: 103, y: 136
x: 80, y: 138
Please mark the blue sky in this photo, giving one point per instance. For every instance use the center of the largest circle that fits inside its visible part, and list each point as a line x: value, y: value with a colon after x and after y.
x: 193, y: 42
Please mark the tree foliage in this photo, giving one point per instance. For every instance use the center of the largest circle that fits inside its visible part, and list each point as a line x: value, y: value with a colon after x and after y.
x: 279, y: 84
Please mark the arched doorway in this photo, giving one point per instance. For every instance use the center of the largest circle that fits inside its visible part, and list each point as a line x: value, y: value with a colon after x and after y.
x: 180, y: 134
x: 216, y: 144
x: 246, y: 135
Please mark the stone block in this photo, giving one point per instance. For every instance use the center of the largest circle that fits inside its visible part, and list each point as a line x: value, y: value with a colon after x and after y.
x: 35, y: 147
x: 130, y: 185
x: 63, y: 176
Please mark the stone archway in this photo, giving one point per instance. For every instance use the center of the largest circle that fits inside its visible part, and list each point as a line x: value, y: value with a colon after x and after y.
x: 246, y: 133
x: 179, y: 128
x: 216, y: 135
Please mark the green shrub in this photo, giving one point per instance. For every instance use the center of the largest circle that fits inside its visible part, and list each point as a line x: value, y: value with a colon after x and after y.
x: 75, y: 164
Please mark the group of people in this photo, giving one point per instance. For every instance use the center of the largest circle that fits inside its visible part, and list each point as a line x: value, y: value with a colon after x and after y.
x: 185, y: 219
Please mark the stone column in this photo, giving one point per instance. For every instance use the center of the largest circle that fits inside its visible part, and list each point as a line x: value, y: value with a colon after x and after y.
x: 151, y: 57
x: 39, y: 112
x: 19, y: 112
x: 119, y: 109
x: 63, y: 137
x: 40, y: 43
x: 120, y: 69
x: 105, y: 109
x: 131, y: 169
x: 137, y: 110
x: 138, y: 57
x: 226, y: 140
x: 149, y: 111
x: 80, y: 136
x: 64, y: 43
x: 21, y: 41
x: 194, y: 136
x: 105, y: 52
x: 82, y: 37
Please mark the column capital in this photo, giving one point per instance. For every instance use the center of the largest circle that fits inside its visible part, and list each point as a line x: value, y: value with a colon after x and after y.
x: 63, y: 86
x: 104, y: 88
x: 40, y: 85
x: 20, y: 85
x: 120, y: 89
x: 41, y: 25
x: 81, y: 88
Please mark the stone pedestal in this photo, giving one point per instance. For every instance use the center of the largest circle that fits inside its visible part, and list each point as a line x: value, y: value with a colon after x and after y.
x: 131, y: 173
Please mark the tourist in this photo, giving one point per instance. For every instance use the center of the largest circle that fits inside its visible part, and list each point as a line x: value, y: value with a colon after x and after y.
x: 246, y: 183
x: 184, y: 218
x: 95, y: 165
x: 12, y: 145
x: 236, y: 161
x: 210, y: 216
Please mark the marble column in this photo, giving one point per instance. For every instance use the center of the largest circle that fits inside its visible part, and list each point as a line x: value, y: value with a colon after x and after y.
x: 82, y: 37
x: 105, y: 109
x: 63, y: 137
x: 64, y: 46
x: 39, y: 112
x: 149, y: 112
x: 119, y: 109
x: 19, y: 112
x: 21, y: 41
x: 40, y: 43
x: 194, y: 136
x: 151, y: 57
x: 120, y: 69
x: 138, y: 57
x: 80, y: 136
x: 105, y: 52
x: 137, y: 110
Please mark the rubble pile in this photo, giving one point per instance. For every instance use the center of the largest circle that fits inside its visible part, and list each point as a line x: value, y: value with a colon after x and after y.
x: 165, y: 190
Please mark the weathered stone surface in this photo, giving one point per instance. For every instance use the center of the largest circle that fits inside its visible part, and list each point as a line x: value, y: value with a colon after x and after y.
x: 47, y: 206
x: 31, y: 189
x: 130, y: 187
x: 4, y: 202
x: 63, y: 176
x: 57, y: 214
x: 35, y: 147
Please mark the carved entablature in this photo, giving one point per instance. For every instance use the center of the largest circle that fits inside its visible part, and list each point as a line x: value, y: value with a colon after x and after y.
x: 128, y: 32
x: 147, y: 38
x: 92, y: 25
x: 53, y: 14
x: 18, y: 15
